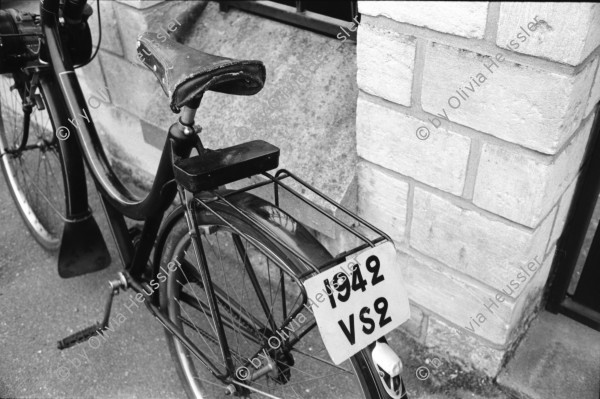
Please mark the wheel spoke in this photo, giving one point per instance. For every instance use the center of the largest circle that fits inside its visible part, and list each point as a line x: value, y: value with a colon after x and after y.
x: 227, y: 321
x: 229, y: 304
x: 321, y: 360
x: 198, y: 331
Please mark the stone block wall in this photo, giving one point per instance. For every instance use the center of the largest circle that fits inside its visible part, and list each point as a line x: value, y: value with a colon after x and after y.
x: 472, y: 121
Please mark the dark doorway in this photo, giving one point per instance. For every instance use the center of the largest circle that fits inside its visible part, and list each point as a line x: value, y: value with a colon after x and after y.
x: 575, y: 277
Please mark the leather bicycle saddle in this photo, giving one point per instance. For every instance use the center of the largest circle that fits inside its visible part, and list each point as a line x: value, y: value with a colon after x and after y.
x: 185, y: 73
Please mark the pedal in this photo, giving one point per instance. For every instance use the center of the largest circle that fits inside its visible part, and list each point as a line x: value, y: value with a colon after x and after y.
x: 99, y: 327
x: 80, y: 336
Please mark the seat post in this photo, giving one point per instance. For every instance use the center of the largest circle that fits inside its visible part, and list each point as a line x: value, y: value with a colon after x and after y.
x: 187, y: 116
x: 184, y: 127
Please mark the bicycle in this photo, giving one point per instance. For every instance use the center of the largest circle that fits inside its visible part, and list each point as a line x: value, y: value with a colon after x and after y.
x: 237, y: 281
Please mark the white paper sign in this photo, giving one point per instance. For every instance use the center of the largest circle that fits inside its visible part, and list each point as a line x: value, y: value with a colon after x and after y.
x: 365, y: 299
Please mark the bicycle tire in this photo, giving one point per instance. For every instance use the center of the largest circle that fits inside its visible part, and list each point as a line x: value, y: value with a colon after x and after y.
x: 37, y: 191
x: 366, y: 380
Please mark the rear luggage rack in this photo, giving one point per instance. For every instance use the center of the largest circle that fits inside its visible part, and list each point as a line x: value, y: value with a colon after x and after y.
x: 290, y: 193
x: 360, y: 234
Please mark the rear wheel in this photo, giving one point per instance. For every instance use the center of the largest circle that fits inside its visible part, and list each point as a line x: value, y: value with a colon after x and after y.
x: 31, y: 161
x: 301, y: 370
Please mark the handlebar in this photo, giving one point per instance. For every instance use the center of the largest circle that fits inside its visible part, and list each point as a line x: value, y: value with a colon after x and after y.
x: 49, y: 7
x: 72, y: 11
x: 78, y: 48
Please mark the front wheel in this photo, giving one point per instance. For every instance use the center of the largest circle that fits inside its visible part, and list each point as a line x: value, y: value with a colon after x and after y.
x: 31, y: 161
x: 253, y: 295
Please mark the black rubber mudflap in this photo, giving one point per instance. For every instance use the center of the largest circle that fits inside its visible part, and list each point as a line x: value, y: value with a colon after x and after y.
x: 82, y: 249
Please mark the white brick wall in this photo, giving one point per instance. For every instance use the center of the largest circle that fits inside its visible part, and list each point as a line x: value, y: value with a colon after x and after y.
x: 569, y: 33
x: 507, y: 104
x: 463, y: 19
x: 387, y: 137
x: 382, y: 200
x: 521, y: 185
x: 489, y: 190
x: 456, y: 299
x: 389, y: 77
x: 472, y: 243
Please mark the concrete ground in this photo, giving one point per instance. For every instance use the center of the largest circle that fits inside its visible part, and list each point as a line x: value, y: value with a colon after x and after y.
x: 559, y: 358
x: 37, y: 308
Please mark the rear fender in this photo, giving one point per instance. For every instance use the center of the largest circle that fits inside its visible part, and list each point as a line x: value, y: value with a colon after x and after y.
x: 291, y: 232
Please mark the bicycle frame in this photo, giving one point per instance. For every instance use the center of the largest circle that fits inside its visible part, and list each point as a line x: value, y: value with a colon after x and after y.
x: 67, y: 107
